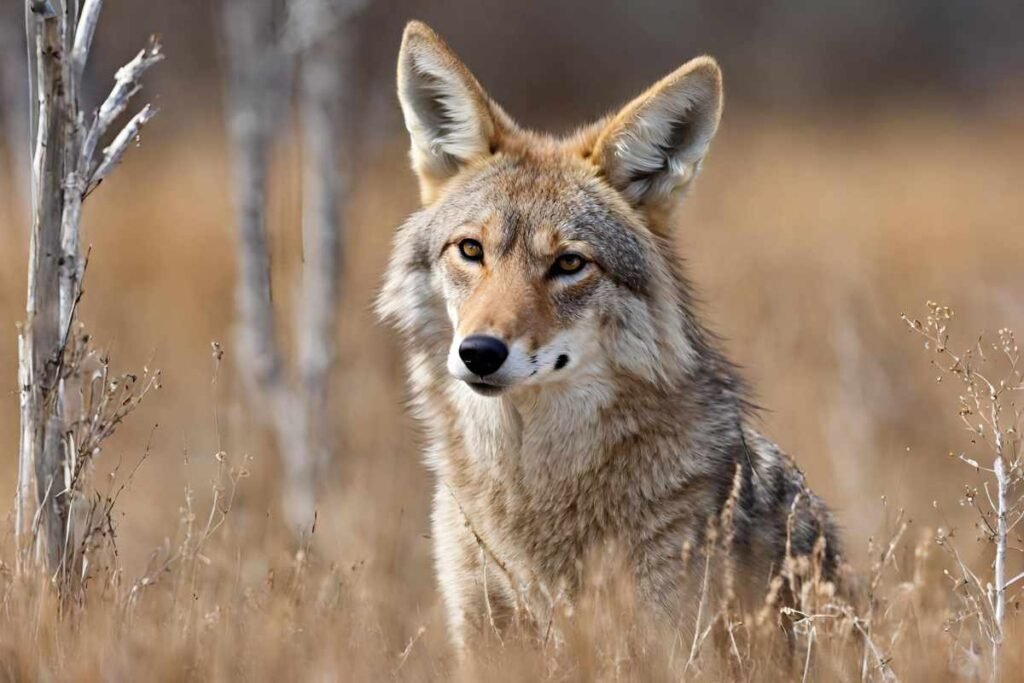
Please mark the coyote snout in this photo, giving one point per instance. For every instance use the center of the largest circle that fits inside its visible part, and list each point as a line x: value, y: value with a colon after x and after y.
x: 490, y: 366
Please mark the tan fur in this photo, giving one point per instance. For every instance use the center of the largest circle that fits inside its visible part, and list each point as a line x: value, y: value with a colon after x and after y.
x: 615, y: 418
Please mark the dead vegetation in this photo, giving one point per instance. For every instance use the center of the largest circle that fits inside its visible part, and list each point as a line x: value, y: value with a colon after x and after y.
x: 192, y: 573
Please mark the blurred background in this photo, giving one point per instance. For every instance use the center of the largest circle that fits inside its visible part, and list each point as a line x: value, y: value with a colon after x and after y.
x: 869, y: 159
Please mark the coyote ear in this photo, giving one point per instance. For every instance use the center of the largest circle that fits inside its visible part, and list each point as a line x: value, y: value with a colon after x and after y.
x: 652, y: 149
x: 450, y: 119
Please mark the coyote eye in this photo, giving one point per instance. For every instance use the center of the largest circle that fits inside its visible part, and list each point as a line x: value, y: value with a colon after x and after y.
x: 568, y: 264
x: 471, y: 250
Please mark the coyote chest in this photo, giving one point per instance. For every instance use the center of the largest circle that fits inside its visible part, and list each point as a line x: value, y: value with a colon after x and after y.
x: 546, y: 480
x: 528, y: 480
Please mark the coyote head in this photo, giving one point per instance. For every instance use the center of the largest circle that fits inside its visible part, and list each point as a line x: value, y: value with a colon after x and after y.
x: 539, y: 261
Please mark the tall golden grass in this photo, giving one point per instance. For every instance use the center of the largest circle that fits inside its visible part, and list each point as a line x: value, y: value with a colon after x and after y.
x: 807, y: 239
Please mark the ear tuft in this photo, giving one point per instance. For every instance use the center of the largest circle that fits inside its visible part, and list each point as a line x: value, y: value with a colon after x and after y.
x: 448, y: 115
x: 653, y: 148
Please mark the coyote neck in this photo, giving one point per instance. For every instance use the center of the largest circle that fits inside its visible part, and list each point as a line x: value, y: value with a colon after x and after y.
x: 555, y: 433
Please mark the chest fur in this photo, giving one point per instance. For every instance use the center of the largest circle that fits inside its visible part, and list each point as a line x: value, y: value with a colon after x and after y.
x: 545, y: 482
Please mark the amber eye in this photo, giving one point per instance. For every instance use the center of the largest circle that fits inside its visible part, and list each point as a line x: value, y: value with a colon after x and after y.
x: 568, y: 264
x: 471, y: 250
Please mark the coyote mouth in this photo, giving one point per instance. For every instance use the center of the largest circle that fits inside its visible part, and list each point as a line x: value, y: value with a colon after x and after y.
x: 485, y: 389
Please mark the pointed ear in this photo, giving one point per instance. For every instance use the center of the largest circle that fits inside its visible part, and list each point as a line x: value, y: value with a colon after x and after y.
x: 450, y: 119
x: 652, y: 149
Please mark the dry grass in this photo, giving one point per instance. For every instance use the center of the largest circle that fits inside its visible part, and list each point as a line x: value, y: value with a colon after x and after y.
x: 807, y: 239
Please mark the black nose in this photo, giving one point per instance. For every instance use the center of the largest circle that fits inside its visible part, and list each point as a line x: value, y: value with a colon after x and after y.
x: 482, y: 354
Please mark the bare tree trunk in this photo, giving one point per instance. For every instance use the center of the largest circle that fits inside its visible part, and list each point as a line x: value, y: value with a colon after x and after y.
x: 321, y: 236
x: 40, y: 337
x: 65, y: 168
x: 260, y: 62
x: 257, y: 85
x: 321, y: 86
x: 258, y: 90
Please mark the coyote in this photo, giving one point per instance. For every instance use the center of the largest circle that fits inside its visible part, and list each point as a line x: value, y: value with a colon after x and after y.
x: 570, y: 394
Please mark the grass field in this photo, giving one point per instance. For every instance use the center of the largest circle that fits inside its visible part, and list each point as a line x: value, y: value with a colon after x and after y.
x: 807, y: 239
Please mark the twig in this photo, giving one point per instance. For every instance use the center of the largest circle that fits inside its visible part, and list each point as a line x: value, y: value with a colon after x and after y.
x: 408, y: 649
x: 695, y: 645
x: 112, y: 153
x: 810, y: 646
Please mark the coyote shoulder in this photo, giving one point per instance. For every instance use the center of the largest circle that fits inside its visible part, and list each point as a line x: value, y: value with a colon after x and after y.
x: 570, y: 394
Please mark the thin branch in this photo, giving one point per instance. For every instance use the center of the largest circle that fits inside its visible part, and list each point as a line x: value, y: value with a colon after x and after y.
x: 83, y: 36
x: 115, y: 150
x: 126, y: 84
